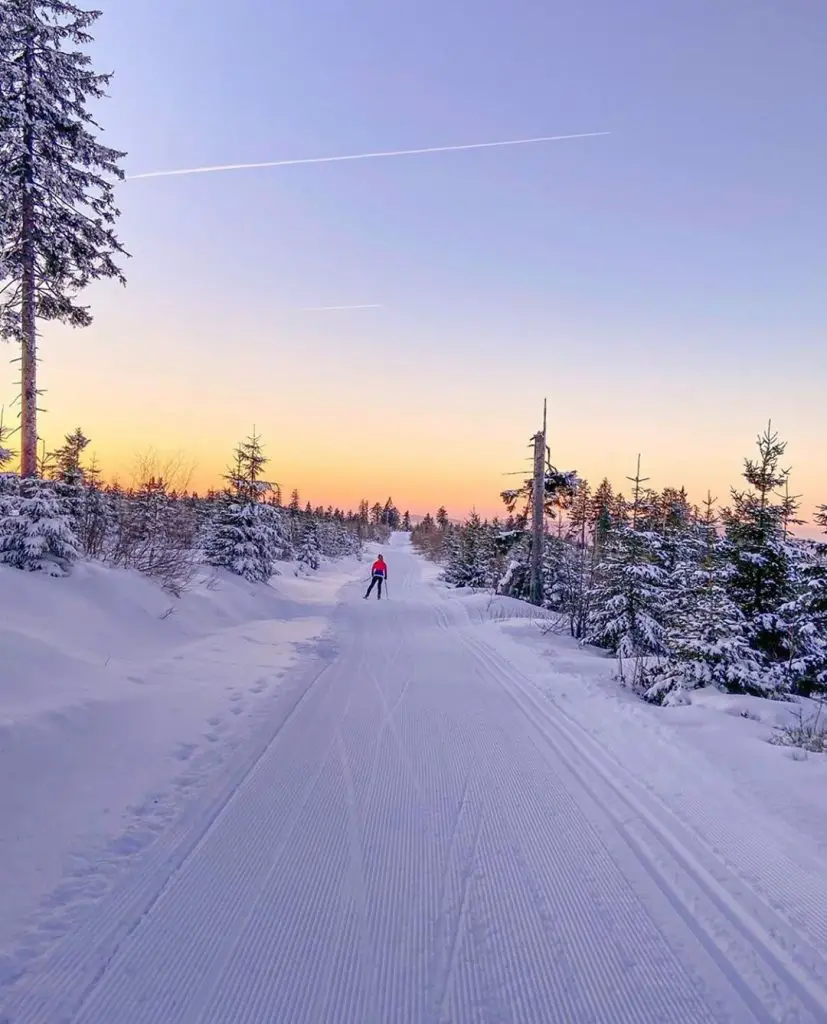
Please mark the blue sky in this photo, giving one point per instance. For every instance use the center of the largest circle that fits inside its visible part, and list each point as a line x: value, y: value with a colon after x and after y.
x: 663, y: 285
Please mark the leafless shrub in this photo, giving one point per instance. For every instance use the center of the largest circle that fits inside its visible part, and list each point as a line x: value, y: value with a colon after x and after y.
x: 807, y: 733
x: 212, y: 582
x: 155, y: 531
x: 173, y: 469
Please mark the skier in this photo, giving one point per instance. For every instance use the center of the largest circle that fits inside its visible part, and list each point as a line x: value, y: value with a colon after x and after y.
x: 378, y: 574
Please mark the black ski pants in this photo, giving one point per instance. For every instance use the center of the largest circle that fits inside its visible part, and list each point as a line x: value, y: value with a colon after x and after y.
x: 376, y: 579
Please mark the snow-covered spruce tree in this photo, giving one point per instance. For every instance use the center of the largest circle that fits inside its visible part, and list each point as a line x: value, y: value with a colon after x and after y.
x: 245, y: 478
x: 805, y: 670
x: 406, y: 521
x: 68, y: 474
x: 9, y: 482
x: 626, y: 598
x: 309, y: 556
x: 758, y: 550
x: 515, y: 579
x: 472, y: 557
x: 430, y: 539
x: 390, y: 515
x: 240, y: 535
x: 706, y: 633
x: 57, y: 209
x: 335, y: 539
x: 274, y: 521
x: 579, y: 560
x: 238, y: 540
x: 97, y: 515
x: 563, y: 581
x: 67, y: 459
x: 591, y: 519
x: 36, y: 535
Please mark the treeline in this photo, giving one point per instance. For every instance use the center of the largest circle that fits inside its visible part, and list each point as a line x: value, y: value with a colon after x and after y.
x: 67, y: 512
x: 684, y: 596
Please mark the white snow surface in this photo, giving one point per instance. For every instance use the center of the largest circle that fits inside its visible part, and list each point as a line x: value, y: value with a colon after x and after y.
x: 286, y: 803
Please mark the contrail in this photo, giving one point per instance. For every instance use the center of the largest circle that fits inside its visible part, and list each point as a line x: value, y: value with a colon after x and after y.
x: 364, y: 156
x: 325, y: 309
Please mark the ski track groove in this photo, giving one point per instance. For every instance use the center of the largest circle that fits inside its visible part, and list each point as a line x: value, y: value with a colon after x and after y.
x: 600, y: 897
x: 459, y: 924
x: 425, y: 839
x: 760, y: 943
x: 69, y: 971
x: 545, y: 983
x: 552, y: 980
x: 357, y: 876
x: 191, y: 965
x: 262, y: 953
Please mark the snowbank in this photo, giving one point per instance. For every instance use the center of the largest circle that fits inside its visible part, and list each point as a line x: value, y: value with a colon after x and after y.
x: 117, y: 703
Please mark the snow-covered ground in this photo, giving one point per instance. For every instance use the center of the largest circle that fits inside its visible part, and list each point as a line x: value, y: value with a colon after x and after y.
x: 117, y: 703
x: 290, y: 804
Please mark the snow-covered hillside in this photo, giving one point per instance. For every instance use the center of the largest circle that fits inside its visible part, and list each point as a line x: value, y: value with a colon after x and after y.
x: 288, y: 803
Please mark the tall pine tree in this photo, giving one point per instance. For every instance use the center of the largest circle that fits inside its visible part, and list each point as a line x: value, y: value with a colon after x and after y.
x: 57, y: 210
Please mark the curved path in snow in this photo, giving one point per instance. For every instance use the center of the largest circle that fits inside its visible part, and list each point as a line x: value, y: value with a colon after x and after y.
x: 425, y: 840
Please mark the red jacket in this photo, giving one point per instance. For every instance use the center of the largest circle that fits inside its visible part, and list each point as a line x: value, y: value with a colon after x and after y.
x: 379, y: 568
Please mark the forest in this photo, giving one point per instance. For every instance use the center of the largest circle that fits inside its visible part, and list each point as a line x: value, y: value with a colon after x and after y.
x: 682, y: 595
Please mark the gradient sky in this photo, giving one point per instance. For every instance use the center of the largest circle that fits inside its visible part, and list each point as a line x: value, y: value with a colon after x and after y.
x: 665, y: 286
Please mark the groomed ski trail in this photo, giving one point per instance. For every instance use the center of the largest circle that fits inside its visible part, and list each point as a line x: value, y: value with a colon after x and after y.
x: 426, y: 839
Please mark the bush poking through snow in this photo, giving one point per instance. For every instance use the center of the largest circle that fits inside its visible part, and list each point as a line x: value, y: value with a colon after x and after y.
x: 806, y: 732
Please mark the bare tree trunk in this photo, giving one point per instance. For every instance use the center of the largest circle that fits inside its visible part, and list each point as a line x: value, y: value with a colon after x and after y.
x: 538, y: 514
x: 28, y: 323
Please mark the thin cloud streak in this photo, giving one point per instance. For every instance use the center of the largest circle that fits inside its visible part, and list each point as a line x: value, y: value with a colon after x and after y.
x: 363, y: 156
x: 325, y: 309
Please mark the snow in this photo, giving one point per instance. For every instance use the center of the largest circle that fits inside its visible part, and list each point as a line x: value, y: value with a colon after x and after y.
x: 430, y: 811
x: 115, y: 699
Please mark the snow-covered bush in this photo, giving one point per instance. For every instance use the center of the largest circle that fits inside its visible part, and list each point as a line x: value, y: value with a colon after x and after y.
x: 239, y: 538
x: 309, y: 555
x: 472, y: 559
x: 36, y: 533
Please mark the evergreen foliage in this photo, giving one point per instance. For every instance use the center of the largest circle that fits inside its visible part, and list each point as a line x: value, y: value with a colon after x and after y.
x: 36, y: 533
x: 57, y: 209
x: 683, y: 597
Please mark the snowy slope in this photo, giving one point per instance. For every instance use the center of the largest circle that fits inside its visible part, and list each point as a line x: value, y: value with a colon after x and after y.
x: 425, y: 837
x: 113, y: 711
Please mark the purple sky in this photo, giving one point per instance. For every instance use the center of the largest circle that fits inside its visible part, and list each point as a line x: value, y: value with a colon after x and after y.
x: 665, y: 285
